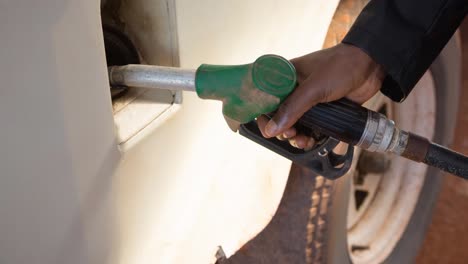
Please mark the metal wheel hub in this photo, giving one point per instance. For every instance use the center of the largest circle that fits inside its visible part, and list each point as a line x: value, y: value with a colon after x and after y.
x: 386, y: 188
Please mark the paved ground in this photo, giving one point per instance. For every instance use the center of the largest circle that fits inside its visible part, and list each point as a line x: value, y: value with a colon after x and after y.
x: 447, y: 239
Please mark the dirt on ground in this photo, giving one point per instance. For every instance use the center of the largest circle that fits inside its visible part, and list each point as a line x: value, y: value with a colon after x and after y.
x: 447, y: 238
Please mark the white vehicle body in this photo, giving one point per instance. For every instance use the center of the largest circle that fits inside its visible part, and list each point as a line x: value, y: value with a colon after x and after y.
x: 73, y: 191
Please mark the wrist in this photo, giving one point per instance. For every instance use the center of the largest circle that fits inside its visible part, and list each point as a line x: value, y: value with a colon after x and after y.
x: 362, y: 62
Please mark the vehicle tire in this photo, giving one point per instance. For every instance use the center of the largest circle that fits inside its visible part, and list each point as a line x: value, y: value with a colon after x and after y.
x: 445, y: 72
x: 312, y: 223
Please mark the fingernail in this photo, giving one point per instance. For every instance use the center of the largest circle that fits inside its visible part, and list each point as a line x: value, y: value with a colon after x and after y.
x: 270, y: 128
x: 300, y: 144
x: 293, y: 143
x: 287, y: 134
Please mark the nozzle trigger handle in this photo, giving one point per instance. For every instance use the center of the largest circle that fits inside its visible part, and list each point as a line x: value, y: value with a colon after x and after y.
x: 321, y: 159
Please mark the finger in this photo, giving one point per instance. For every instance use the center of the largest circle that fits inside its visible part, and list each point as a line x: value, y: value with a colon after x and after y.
x: 310, y: 144
x: 281, y: 137
x: 302, y: 99
x: 289, y: 133
x: 262, y: 122
x: 301, y: 141
x: 292, y: 142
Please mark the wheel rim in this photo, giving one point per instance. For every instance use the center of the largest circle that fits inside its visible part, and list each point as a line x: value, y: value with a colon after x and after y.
x: 386, y: 188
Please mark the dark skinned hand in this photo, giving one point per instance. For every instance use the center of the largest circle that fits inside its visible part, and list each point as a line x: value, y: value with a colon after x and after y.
x: 323, y: 76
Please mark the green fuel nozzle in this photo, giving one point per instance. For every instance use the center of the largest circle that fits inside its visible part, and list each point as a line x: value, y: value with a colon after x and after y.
x: 249, y: 90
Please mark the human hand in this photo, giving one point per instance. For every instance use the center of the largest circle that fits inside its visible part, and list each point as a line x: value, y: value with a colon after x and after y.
x: 323, y: 76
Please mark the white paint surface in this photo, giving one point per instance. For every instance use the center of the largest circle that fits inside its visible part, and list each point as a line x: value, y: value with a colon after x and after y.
x: 58, y: 149
x: 194, y: 184
x: 66, y: 195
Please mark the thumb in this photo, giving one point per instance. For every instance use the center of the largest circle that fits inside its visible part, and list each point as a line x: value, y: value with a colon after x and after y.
x: 302, y: 99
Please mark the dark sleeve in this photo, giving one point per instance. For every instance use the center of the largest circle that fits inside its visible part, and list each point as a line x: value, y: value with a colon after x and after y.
x: 405, y: 36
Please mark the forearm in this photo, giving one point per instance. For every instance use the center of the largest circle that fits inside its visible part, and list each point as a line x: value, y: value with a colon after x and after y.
x: 404, y: 37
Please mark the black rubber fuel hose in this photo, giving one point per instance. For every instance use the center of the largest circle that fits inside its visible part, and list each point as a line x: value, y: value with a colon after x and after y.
x: 447, y: 160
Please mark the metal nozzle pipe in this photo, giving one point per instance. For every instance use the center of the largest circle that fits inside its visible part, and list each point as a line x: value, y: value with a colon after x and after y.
x: 155, y: 77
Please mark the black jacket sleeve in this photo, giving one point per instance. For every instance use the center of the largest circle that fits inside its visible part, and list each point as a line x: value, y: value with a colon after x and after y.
x: 405, y: 36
